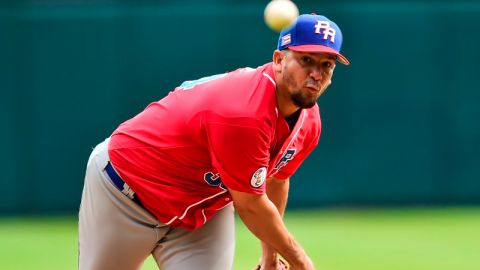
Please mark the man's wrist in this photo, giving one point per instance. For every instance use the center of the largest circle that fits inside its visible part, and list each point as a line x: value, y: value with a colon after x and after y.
x: 268, y: 253
x: 296, y: 256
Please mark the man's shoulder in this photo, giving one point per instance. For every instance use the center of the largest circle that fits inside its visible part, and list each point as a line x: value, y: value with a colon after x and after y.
x: 247, y: 74
x: 313, y: 120
x: 314, y: 113
x: 246, y: 92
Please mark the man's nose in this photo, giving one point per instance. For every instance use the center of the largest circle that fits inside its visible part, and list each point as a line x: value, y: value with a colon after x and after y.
x: 317, y: 74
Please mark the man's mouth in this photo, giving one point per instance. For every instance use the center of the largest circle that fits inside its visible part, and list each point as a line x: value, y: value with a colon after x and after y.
x: 313, y: 88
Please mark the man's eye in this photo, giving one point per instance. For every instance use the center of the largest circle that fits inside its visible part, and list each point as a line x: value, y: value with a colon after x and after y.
x: 307, y: 60
x: 328, y: 64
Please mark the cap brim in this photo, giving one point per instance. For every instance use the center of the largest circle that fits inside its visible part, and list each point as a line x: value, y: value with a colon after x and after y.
x: 320, y: 49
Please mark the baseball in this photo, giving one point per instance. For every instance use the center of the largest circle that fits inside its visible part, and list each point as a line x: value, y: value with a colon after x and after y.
x: 279, y: 14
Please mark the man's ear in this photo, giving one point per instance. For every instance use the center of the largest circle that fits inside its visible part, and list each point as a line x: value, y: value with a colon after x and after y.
x: 278, y: 57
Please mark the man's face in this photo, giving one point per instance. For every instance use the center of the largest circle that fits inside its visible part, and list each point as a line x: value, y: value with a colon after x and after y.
x: 305, y: 76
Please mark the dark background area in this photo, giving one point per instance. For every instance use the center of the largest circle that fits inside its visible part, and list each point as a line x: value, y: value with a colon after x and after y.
x: 400, y: 125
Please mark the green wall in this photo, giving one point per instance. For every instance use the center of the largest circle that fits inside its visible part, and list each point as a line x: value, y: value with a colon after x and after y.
x: 400, y: 125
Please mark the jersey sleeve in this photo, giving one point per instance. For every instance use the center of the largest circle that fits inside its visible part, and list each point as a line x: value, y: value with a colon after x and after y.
x: 239, y: 151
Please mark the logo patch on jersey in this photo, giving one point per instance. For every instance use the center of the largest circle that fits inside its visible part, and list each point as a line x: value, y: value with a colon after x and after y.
x: 213, y: 179
x: 287, y: 156
x: 259, y: 177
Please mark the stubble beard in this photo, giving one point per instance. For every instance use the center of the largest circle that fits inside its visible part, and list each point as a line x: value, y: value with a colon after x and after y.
x: 303, y: 100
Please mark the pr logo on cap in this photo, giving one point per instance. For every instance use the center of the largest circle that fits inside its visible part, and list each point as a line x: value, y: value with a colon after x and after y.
x: 314, y: 34
x: 327, y: 30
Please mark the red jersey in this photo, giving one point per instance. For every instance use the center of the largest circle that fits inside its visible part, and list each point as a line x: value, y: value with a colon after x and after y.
x: 181, y: 152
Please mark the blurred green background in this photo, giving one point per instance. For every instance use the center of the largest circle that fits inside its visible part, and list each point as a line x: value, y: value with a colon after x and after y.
x: 393, y: 239
x: 401, y: 125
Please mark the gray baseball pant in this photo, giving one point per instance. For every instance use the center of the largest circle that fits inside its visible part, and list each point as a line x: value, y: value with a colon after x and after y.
x: 116, y: 233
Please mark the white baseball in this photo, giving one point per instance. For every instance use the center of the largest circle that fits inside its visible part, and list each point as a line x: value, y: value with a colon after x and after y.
x: 279, y: 14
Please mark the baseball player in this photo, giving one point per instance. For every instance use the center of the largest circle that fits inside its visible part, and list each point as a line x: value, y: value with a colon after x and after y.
x: 166, y: 182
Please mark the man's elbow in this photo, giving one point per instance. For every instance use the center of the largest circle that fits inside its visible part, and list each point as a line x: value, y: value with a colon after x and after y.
x: 246, y: 203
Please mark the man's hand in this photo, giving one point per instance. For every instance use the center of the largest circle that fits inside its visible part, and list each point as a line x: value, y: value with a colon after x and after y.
x: 307, y: 265
x: 280, y: 264
x: 277, y: 264
x: 263, y: 219
x: 269, y: 259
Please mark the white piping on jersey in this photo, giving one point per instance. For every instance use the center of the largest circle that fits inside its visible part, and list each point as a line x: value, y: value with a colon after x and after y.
x: 218, y: 209
x: 204, y: 217
x: 294, y: 135
x: 272, y: 81
x: 270, y: 78
x: 171, y: 220
x: 298, y: 129
x: 192, y: 205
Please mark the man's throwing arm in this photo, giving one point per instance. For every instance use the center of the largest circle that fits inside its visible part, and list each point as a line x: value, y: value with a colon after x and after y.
x: 263, y: 219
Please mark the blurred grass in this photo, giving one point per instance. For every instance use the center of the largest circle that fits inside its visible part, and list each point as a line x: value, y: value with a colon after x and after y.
x: 376, y: 239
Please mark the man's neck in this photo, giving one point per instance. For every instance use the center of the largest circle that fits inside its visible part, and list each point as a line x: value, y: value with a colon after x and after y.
x: 285, y: 104
x: 292, y: 119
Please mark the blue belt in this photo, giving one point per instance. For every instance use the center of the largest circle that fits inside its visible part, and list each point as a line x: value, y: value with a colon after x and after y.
x: 120, y: 184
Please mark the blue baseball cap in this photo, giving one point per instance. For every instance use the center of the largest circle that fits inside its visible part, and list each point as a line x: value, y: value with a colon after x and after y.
x: 313, y: 33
